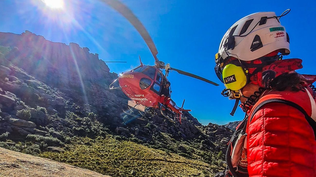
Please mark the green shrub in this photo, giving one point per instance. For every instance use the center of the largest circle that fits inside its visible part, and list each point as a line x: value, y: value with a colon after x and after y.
x: 24, y: 114
x: 4, y: 136
x: 219, y: 155
x: 92, y: 116
x: 50, y: 141
x: 34, y: 149
x: 41, y: 109
x: 4, y: 145
x: 39, y: 116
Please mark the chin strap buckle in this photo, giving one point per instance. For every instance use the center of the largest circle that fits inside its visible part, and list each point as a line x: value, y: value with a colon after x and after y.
x: 232, y: 94
x: 226, y: 92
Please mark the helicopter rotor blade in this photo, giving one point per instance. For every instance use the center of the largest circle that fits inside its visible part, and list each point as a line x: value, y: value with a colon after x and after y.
x: 194, y: 76
x: 114, y: 61
x: 130, y: 16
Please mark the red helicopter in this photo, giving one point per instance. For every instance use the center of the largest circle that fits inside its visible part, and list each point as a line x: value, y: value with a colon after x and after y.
x: 147, y: 86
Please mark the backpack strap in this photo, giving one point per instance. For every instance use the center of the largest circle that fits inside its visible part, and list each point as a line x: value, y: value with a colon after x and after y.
x: 312, y: 101
x: 241, y: 129
x: 311, y: 122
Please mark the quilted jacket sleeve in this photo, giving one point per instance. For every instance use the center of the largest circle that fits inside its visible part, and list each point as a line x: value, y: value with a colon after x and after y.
x: 280, y: 143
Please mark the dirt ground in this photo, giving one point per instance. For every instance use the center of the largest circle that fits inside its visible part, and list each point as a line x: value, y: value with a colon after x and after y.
x: 15, y: 164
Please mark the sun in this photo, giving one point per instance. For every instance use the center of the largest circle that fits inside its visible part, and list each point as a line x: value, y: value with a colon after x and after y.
x: 54, y: 4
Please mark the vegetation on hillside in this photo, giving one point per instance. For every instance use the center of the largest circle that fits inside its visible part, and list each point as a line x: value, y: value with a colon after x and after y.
x: 126, y: 158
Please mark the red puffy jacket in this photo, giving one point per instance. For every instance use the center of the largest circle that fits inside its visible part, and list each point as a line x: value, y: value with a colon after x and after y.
x: 280, y: 141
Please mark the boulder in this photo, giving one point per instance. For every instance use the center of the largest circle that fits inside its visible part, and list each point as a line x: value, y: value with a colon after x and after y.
x: 22, y: 123
x: 4, y: 71
x: 6, y: 100
x: 5, y: 127
x: 38, y: 117
x: 21, y: 131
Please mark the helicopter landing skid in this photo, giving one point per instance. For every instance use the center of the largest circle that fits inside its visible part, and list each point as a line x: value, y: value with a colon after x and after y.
x: 166, y: 112
x: 130, y: 115
x: 115, y: 85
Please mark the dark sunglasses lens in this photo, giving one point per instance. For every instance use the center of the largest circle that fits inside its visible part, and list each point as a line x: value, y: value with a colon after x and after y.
x: 218, y: 72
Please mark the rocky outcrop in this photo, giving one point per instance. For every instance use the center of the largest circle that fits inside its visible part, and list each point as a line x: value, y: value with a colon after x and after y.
x: 218, y: 134
x: 22, y: 123
x: 6, y: 101
x: 4, y: 71
x: 232, y: 125
x: 67, y: 63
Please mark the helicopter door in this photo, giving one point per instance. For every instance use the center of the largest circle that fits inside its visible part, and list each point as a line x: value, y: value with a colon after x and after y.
x: 157, y: 84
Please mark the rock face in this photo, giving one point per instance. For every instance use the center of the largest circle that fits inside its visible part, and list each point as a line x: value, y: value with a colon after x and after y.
x: 7, y: 100
x: 66, y: 67
x: 47, y: 79
x: 218, y: 134
x: 232, y: 125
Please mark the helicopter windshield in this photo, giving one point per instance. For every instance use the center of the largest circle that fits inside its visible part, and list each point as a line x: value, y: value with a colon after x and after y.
x: 139, y: 69
x: 147, y: 70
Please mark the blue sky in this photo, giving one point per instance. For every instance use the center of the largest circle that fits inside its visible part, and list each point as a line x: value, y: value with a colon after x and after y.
x: 186, y: 33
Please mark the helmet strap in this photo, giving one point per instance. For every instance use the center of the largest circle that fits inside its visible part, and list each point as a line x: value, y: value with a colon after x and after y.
x: 235, y: 107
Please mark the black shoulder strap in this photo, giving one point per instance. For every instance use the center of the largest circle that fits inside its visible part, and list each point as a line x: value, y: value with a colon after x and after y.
x: 290, y: 103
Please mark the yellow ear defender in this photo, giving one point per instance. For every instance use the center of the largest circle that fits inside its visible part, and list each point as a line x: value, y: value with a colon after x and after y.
x: 234, y: 77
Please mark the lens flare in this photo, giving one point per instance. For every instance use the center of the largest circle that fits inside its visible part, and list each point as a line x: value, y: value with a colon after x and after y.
x: 54, y: 4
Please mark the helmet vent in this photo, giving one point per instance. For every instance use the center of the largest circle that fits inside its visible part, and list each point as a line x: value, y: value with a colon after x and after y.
x: 287, y: 38
x: 245, y: 27
x: 230, y: 41
x: 263, y: 20
x: 233, y: 30
x: 256, y: 43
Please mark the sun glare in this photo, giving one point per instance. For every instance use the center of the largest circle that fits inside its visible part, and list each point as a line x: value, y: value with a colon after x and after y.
x: 54, y: 4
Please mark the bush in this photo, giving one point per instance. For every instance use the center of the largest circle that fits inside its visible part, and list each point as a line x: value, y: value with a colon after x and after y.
x: 4, y: 145
x: 4, y: 136
x: 41, y: 109
x: 50, y: 141
x: 34, y: 149
x: 39, y: 116
x: 24, y: 114
x: 220, y: 154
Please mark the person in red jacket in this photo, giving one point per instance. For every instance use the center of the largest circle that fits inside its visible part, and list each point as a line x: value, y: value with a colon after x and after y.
x: 276, y: 138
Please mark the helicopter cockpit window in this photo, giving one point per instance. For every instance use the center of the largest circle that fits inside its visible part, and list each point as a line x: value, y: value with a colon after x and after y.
x: 144, y: 83
x: 150, y: 71
x: 159, y: 77
x: 156, y: 88
x: 139, y: 69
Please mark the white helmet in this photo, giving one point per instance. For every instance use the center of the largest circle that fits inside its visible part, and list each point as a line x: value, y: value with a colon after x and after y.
x: 254, y: 36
